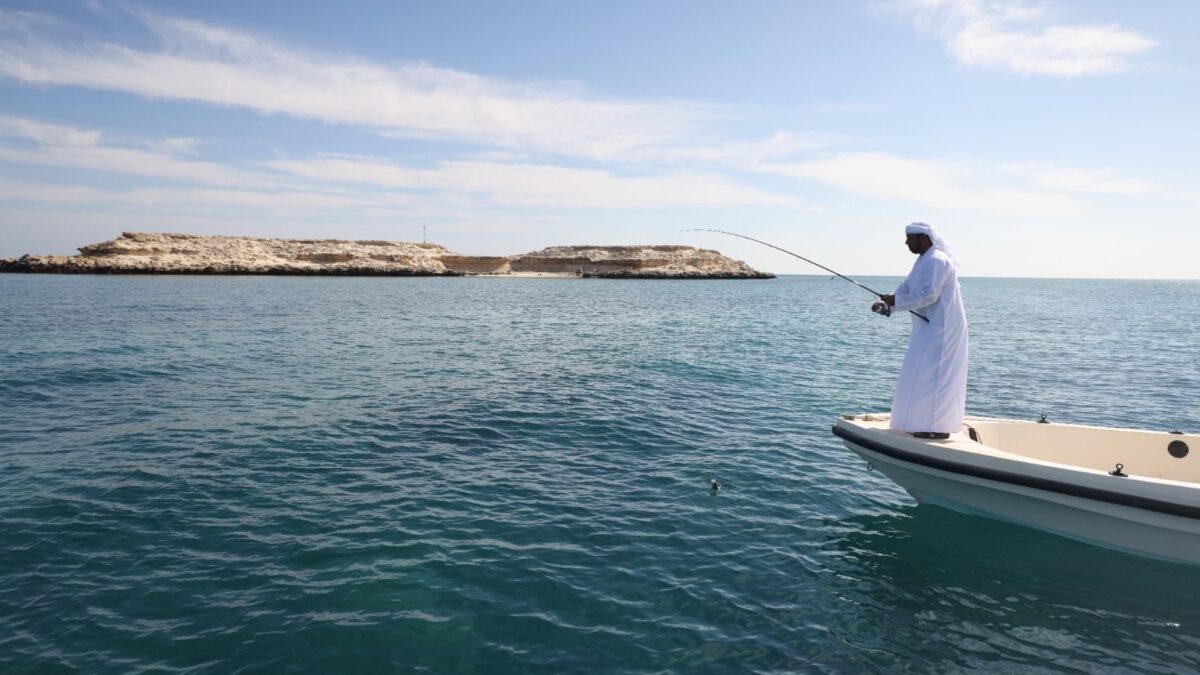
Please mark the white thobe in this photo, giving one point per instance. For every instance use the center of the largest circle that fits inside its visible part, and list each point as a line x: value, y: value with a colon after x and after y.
x: 931, y: 393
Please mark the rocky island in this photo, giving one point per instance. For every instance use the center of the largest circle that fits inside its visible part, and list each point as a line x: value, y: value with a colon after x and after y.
x: 156, y: 253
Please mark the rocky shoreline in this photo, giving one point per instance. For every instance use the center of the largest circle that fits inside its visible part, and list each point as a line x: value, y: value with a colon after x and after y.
x: 161, y: 253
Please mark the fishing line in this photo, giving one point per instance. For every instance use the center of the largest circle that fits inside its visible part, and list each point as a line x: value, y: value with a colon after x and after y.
x: 757, y: 241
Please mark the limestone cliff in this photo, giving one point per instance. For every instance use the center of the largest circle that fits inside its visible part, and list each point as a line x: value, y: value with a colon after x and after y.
x: 625, y: 262
x: 136, y: 252
x: 151, y: 253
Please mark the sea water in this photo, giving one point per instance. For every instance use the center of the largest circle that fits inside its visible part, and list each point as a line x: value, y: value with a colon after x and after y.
x: 257, y: 474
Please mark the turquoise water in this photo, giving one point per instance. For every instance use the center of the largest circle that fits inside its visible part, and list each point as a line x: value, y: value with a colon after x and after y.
x: 239, y: 474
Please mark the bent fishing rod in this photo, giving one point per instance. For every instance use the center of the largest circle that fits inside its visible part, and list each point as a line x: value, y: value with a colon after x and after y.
x: 872, y: 292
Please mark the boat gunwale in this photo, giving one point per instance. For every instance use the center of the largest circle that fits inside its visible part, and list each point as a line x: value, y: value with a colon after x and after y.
x: 1035, y: 482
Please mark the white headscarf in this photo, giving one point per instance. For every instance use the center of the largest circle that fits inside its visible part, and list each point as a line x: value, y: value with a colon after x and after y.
x: 939, y: 242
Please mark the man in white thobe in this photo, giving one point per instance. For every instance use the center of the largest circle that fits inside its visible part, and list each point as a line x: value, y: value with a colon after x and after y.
x: 932, y: 391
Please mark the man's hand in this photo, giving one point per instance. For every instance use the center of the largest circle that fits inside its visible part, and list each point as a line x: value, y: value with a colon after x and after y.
x: 890, y: 299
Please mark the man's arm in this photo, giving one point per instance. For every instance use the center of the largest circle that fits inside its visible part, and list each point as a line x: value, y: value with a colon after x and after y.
x: 889, y: 299
x: 925, y: 289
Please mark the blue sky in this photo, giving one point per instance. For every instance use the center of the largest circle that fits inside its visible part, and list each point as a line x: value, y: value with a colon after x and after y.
x: 1047, y: 139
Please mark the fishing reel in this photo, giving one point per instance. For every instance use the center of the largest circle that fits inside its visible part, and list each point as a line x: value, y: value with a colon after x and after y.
x: 880, y: 307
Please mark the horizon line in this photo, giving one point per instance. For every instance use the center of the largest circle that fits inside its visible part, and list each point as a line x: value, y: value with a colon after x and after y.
x: 1034, y: 278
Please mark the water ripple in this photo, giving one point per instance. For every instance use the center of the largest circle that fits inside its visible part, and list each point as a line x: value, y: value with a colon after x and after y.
x: 257, y: 474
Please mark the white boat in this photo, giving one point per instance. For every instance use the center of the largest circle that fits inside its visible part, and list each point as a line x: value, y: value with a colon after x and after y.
x: 1127, y: 489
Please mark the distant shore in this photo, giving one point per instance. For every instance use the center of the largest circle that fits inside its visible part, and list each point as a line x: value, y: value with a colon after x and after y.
x: 162, y: 253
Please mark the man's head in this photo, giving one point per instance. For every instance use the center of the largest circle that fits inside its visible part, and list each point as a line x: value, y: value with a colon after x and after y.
x: 918, y: 243
x: 918, y: 238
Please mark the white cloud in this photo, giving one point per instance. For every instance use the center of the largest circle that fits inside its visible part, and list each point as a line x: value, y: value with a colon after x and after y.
x: 23, y: 22
x: 354, y: 182
x: 521, y: 130
x: 178, y: 145
x: 201, y: 62
x: 840, y: 108
x: 540, y: 185
x: 932, y: 183
x: 69, y: 147
x: 738, y: 154
x: 360, y: 185
x: 133, y: 162
x: 185, y: 198
x: 50, y: 134
x: 1016, y: 36
x: 1074, y: 179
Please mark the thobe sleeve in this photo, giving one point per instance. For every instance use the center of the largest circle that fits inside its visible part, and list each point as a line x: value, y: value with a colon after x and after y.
x: 924, y: 287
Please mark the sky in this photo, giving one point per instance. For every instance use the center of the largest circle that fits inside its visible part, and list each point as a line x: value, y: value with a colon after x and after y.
x: 1053, y: 138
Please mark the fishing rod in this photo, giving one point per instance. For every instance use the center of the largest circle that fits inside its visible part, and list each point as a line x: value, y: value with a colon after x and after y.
x: 871, y: 291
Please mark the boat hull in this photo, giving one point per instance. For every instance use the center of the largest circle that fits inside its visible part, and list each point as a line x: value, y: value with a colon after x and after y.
x: 1142, y: 525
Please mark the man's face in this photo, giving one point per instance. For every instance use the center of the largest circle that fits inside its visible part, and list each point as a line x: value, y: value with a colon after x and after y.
x: 913, y: 242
